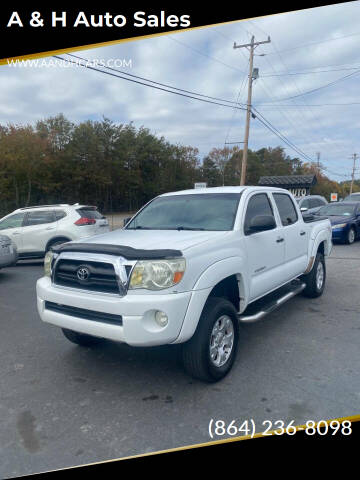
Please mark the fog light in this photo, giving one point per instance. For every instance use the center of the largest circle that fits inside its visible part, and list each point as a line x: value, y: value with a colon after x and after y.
x: 161, y: 318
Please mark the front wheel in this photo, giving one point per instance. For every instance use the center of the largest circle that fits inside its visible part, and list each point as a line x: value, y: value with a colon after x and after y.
x: 350, y: 237
x: 210, y: 353
x: 315, y: 280
x: 81, y: 338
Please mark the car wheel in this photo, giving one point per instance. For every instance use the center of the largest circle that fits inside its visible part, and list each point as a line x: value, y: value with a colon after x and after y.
x: 55, y: 244
x: 210, y: 353
x: 315, y: 280
x: 81, y: 338
x: 350, y: 237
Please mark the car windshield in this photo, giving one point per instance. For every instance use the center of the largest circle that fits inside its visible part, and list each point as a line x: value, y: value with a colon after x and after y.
x: 337, y: 209
x: 205, y: 211
x: 352, y: 198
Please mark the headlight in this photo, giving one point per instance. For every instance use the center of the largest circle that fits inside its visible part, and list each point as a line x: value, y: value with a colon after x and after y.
x: 47, y: 263
x: 340, y: 225
x: 157, y: 274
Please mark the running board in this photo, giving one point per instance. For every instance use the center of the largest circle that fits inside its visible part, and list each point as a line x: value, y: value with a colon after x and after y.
x: 253, y: 314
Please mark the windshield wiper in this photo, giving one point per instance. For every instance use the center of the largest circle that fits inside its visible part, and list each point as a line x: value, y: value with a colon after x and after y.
x: 139, y: 227
x: 187, y: 228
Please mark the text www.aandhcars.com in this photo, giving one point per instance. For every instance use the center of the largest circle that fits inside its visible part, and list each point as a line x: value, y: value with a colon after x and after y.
x: 54, y: 62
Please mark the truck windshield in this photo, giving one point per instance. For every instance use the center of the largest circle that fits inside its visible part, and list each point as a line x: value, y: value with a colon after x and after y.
x: 205, y: 211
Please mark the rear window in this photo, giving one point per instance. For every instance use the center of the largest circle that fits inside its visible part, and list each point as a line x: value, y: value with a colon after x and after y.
x: 89, y: 213
x: 59, y: 214
x: 286, y: 209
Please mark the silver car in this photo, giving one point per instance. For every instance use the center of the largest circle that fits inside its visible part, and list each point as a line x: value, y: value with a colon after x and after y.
x: 311, y: 203
x: 8, y: 252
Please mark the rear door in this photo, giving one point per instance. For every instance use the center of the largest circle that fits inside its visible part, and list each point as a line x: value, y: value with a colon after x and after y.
x: 12, y: 227
x: 39, y: 227
x: 296, y: 235
x: 265, y: 250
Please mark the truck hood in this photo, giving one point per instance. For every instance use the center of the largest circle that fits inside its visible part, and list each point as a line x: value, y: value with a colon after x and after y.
x: 156, y: 239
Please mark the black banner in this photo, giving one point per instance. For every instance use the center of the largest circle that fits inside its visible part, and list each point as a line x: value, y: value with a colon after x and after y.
x: 33, y: 29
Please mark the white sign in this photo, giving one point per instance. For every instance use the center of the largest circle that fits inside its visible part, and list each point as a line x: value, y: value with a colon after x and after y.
x: 200, y: 185
x: 298, y: 192
x: 333, y: 197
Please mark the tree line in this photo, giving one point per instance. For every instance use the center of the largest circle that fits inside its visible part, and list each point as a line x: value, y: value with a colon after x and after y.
x: 119, y: 167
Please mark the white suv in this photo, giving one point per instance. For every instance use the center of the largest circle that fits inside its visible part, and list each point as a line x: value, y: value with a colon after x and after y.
x: 35, y: 229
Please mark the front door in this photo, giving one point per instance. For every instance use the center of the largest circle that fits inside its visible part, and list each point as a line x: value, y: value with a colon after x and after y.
x: 12, y: 227
x: 265, y: 250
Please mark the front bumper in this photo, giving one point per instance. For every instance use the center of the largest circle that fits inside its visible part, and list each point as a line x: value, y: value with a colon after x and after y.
x: 138, y: 328
x: 339, y: 234
x: 8, y: 259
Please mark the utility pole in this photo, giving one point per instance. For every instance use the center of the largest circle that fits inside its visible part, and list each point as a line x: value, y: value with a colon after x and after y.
x: 251, y: 47
x: 354, y: 157
x: 318, y: 159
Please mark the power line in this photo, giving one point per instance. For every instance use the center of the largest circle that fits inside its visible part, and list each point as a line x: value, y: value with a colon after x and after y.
x: 271, y: 127
x: 318, y: 42
x: 304, y: 121
x: 320, y: 88
x: 147, y: 85
x: 308, y: 104
x: 153, y: 81
x: 203, y: 54
x: 308, y: 73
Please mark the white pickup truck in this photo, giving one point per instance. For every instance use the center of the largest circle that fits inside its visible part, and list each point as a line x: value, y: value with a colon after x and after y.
x: 187, y: 268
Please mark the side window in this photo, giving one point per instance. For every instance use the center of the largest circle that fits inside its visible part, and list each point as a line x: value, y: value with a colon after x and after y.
x: 14, y: 221
x: 286, y: 209
x: 305, y: 203
x: 259, y: 204
x: 314, y: 202
x: 40, y: 217
x: 59, y: 214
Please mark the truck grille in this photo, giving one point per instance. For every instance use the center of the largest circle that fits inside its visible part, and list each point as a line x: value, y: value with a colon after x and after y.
x: 86, y: 275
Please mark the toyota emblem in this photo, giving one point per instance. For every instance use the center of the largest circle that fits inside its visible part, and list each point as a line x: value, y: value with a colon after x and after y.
x: 83, y: 274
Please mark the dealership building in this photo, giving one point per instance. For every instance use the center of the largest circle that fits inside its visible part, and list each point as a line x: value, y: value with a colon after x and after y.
x: 298, y: 185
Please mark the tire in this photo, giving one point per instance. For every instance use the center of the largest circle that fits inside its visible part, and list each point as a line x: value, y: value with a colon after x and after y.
x: 197, y: 359
x: 350, y: 237
x: 81, y: 338
x: 315, y: 280
x: 55, y: 243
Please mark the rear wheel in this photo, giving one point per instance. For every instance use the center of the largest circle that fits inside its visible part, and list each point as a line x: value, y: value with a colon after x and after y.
x: 81, y: 338
x: 315, y: 280
x: 209, y: 355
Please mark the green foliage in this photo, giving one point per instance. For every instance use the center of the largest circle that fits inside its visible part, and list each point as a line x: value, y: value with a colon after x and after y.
x: 119, y: 167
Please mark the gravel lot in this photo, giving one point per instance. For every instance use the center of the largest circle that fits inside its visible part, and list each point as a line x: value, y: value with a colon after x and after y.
x: 63, y: 405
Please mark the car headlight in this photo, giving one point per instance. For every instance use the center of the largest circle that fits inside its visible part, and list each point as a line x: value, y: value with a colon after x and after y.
x: 47, y: 263
x: 157, y: 274
x: 340, y: 225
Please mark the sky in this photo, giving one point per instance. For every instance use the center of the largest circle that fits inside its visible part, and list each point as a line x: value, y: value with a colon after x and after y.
x: 309, y: 50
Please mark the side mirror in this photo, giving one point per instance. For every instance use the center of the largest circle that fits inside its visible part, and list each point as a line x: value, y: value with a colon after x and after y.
x: 126, y: 221
x: 304, y: 209
x: 261, y: 223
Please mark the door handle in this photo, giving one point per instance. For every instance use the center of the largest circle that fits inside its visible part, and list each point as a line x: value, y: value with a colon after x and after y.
x: 279, y: 240
x: 16, y: 233
x: 50, y: 228
x: 302, y: 233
